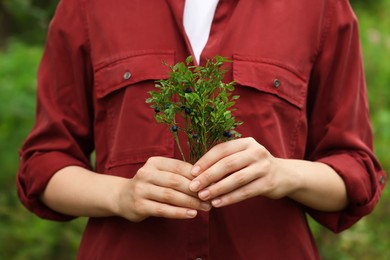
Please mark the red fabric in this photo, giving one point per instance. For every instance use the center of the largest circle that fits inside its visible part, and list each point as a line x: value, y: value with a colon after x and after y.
x: 319, y: 112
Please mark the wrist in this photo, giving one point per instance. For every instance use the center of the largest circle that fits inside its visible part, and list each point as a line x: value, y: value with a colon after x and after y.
x: 116, y: 189
x: 314, y: 184
x: 293, y: 178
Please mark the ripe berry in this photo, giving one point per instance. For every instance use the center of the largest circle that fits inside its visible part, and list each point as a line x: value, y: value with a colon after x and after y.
x: 227, y: 134
x: 167, y: 106
x: 174, y: 128
x: 187, y: 110
x: 156, y: 110
x: 195, y: 136
x: 188, y: 90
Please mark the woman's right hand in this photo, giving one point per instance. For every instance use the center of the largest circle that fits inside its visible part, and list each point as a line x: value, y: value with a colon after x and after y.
x: 160, y: 189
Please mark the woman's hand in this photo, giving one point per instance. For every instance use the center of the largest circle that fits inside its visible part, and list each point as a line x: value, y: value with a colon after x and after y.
x: 240, y: 169
x: 160, y: 189
x: 237, y: 170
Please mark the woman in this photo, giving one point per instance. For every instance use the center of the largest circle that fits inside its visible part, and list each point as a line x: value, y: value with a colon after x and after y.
x: 306, y: 146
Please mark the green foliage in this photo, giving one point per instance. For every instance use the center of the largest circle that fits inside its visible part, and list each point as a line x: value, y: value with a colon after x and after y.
x: 197, y: 95
x: 23, y: 235
x: 17, y: 73
x: 25, y: 19
x: 368, y: 6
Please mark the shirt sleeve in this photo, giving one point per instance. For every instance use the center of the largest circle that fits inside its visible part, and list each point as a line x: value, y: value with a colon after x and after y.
x: 62, y: 134
x: 340, y: 130
x: 339, y: 124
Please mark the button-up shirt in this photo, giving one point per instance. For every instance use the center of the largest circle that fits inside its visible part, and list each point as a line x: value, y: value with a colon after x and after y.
x: 298, y: 69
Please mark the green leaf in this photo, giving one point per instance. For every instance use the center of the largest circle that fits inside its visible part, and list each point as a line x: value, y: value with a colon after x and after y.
x: 189, y: 59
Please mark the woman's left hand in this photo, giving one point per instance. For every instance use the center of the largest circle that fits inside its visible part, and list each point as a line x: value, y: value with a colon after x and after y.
x: 240, y: 169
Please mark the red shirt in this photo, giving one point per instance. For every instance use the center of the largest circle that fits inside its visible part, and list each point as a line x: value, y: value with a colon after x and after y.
x: 298, y: 70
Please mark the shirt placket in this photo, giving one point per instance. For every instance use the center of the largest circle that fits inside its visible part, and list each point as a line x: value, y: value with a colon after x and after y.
x: 197, y: 235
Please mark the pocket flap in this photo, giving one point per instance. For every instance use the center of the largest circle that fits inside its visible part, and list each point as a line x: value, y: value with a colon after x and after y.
x: 132, y: 69
x: 270, y: 77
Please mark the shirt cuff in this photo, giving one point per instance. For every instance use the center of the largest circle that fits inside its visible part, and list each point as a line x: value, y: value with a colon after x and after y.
x: 364, y: 181
x: 33, y: 178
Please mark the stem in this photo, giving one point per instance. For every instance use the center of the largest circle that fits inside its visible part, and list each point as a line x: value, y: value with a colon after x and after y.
x: 178, y: 145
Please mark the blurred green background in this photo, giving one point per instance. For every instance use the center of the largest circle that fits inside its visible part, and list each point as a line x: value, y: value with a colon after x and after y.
x: 23, y: 25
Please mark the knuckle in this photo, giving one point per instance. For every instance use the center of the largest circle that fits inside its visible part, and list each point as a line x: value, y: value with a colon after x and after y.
x: 178, y: 167
x: 138, y: 189
x: 230, y: 162
x: 142, y: 173
x: 267, y: 166
x: 139, y: 207
x: 168, y: 196
x: 175, y: 182
x: 262, y: 155
x: 150, y: 160
x: 249, y: 140
x: 240, y: 178
x: 260, y: 150
x: 160, y: 210
x: 216, y: 189
x: 192, y: 203
x: 153, y: 160
x: 245, y: 193
x: 208, y: 176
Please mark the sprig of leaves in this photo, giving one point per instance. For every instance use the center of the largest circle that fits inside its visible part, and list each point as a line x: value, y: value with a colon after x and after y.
x: 199, y: 96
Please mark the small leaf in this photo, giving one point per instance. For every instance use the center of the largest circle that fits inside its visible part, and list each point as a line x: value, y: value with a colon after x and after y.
x: 189, y: 59
x: 229, y: 87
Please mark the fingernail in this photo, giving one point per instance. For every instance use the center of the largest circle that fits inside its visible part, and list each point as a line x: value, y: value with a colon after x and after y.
x: 204, y: 194
x: 194, y: 186
x: 216, y: 202
x: 191, y: 213
x: 195, y: 171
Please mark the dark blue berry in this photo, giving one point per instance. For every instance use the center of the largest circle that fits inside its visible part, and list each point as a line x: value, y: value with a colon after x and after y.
x: 188, y: 90
x: 187, y: 110
x: 227, y: 134
x: 195, y: 136
x: 174, y: 128
x: 156, y: 109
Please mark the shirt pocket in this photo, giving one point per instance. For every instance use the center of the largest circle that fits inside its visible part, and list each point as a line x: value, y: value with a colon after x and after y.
x: 128, y: 128
x: 271, y: 77
x: 272, y: 103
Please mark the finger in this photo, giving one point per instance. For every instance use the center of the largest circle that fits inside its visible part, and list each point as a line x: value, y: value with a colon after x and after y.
x: 221, y: 169
x: 244, y: 192
x: 229, y: 184
x: 171, y: 180
x: 176, y: 198
x: 171, y: 165
x: 157, y: 209
x: 217, y: 153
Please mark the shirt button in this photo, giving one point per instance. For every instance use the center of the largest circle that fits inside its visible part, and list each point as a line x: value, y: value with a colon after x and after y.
x: 127, y: 75
x: 277, y: 83
x: 382, y: 180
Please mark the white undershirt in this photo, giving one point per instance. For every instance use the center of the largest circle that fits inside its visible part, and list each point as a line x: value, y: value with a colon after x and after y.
x: 197, y: 19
